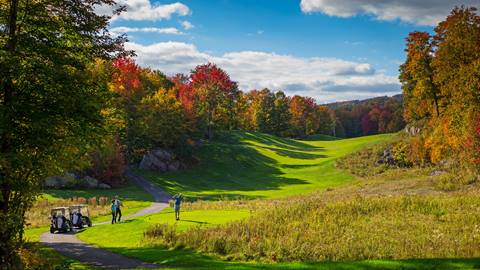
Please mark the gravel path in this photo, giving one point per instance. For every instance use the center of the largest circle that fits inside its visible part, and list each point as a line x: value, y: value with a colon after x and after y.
x: 70, y: 246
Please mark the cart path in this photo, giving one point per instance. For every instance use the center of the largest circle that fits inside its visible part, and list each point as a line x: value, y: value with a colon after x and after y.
x: 70, y: 246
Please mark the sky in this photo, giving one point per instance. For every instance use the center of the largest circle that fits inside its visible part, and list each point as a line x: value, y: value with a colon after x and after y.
x: 332, y: 50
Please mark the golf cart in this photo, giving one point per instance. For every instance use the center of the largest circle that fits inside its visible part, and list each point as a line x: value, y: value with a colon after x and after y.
x: 80, y: 216
x: 59, y: 220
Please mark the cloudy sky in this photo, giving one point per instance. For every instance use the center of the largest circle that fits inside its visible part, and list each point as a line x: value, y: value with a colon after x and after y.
x: 331, y: 50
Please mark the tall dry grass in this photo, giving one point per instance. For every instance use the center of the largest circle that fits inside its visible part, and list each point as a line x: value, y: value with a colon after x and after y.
x: 332, y: 228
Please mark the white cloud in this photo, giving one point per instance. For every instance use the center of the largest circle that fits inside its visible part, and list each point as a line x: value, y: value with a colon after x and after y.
x: 187, y: 25
x: 144, y: 10
x: 168, y: 30
x: 424, y: 12
x: 326, y: 79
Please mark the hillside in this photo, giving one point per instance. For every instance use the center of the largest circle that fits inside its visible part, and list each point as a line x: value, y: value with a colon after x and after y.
x: 255, y: 165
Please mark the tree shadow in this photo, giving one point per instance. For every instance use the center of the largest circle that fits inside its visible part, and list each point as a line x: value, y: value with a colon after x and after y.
x: 237, y: 137
x: 295, y: 154
x: 227, y: 169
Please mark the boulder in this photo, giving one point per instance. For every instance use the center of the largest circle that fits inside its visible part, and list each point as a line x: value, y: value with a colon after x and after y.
x: 174, y: 166
x: 162, y: 154
x: 437, y: 172
x: 152, y: 162
x: 387, y: 157
x: 90, y: 182
x: 55, y: 182
x: 104, y: 186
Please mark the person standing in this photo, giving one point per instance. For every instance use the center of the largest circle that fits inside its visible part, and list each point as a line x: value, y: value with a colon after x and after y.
x: 114, y: 211
x: 118, y: 212
x: 178, y: 201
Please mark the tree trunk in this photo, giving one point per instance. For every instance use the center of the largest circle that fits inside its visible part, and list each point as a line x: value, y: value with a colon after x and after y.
x: 7, y: 246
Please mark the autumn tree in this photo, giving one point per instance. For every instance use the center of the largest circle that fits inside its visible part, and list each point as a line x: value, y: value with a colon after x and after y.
x: 326, y: 120
x: 50, y: 101
x: 281, y: 114
x: 444, y: 70
x: 421, y: 95
x: 163, y: 117
x: 215, y: 92
x: 301, y: 121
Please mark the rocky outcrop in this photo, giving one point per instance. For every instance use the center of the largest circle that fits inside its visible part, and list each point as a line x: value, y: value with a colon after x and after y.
x: 161, y: 160
x: 386, y: 158
x: 70, y: 180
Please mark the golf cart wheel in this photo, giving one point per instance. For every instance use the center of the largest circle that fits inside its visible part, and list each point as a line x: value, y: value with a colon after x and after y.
x: 52, y: 230
x: 89, y: 223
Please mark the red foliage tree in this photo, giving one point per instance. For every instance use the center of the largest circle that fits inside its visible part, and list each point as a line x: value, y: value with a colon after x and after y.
x: 126, y: 78
x: 214, y: 91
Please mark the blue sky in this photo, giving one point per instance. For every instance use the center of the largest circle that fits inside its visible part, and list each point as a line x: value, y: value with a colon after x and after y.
x: 329, y: 49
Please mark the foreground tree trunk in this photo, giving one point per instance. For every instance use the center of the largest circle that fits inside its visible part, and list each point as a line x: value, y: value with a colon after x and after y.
x: 7, y: 246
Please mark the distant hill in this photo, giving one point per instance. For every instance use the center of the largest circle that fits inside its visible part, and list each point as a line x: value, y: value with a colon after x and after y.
x: 375, y: 100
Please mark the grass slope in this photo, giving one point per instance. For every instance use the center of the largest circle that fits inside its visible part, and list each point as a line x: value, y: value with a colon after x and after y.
x: 253, y: 165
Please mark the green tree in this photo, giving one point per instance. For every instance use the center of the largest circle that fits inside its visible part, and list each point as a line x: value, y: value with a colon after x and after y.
x: 281, y: 115
x: 50, y: 101
x: 163, y: 118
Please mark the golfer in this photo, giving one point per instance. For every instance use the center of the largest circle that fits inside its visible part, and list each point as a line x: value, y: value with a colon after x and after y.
x: 118, y: 212
x: 178, y: 200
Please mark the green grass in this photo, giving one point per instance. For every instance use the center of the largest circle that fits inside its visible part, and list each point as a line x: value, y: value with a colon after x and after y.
x: 253, y: 165
x: 248, y: 165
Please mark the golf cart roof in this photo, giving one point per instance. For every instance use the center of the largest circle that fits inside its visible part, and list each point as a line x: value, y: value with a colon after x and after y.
x: 60, y: 208
x: 78, y: 206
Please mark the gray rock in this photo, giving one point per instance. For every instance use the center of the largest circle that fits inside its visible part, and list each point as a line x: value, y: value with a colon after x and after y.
x: 152, y: 162
x: 55, y: 182
x: 437, y: 172
x: 162, y: 154
x: 174, y: 166
x: 387, y: 157
x: 90, y: 182
x: 104, y: 186
x: 146, y: 163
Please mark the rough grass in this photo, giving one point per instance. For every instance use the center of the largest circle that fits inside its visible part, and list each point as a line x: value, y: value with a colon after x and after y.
x: 318, y: 228
x: 244, y: 165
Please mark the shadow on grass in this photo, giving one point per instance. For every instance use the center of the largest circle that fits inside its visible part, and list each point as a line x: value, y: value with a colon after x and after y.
x: 188, y: 259
x: 237, y: 137
x: 230, y: 168
x: 321, y: 137
x: 296, y: 154
x: 194, y: 221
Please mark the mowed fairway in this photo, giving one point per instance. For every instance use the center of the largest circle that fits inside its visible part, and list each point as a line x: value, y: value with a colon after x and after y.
x: 253, y: 165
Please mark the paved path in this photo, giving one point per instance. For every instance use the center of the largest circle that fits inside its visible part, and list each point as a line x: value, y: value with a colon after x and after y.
x: 70, y: 246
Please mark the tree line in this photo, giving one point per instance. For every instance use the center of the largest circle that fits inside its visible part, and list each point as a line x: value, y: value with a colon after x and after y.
x: 153, y: 110
x: 441, y: 88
